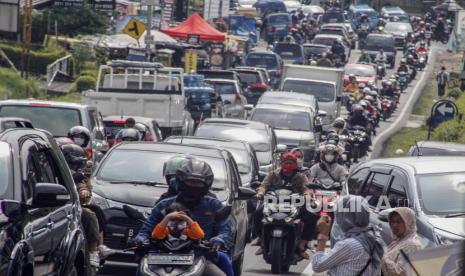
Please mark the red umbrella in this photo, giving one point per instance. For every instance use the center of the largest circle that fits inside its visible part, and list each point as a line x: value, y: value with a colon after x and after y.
x: 195, y: 25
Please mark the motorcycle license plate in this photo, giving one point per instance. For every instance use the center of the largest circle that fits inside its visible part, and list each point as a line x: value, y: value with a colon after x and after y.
x: 427, y: 35
x: 170, y: 259
x: 326, y: 193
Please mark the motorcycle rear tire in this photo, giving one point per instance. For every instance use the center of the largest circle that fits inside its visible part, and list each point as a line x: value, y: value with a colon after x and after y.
x: 276, y: 248
x: 356, y: 154
x: 385, y: 115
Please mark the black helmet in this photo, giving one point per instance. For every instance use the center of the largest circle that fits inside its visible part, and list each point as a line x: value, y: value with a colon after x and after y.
x: 339, y: 123
x: 80, y: 131
x: 332, y: 138
x: 75, y: 156
x: 193, y: 169
x: 130, y: 134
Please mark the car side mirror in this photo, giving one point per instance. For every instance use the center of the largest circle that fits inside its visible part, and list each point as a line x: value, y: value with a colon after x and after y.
x: 281, y: 148
x: 338, y: 98
x: 245, y: 193
x: 384, y: 214
x: 322, y: 113
x: 227, y: 102
x: 50, y: 195
x: 255, y: 184
x: 261, y: 176
x: 12, y: 208
x: 248, y: 107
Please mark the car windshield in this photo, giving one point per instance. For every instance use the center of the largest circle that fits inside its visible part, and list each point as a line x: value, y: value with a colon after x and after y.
x: 449, y: 200
x: 256, y: 60
x: 40, y: 117
x: 5, y: 169
x: 257, y: 138
x: 224, y: 88
x: 370, y: 14
x: 283, y: 119
x: 249, y: 78
x: 332, y: 18
x: 314, y: 50
x: 324, y: 40
x: 286, y: 50
x: 393, y: 27
x: 324, y: 92
x: 278, y: 19
x: 131, y: 165
x: 332, y: 31
x: 360, y: 71
x: 374, y: 43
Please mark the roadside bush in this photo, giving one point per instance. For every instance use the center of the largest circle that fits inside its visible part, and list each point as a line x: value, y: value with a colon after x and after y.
x: 13, y: 86
x: 450, y: 131
x: 454, y: 93
x: 83, y: 83
x: 38, y: 60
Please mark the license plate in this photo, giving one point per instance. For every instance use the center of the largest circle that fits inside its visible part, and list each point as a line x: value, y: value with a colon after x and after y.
x: 288, y: 62
x: 170, y: 259
x: 279, y: 28
x: 428, y: 35
x: 326, y: 193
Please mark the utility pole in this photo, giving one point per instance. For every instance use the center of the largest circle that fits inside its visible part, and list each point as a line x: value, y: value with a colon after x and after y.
x: 148, y: 37
x: 27, y: 26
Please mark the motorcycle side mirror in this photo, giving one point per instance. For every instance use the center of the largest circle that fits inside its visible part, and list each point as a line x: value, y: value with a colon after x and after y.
x: 245, y: 193
x: 133, y: 213
x: 384, y: 214
x: 261, y: 175
x: 255, y: 184
x: 12, y: 208
x: 223, y: 213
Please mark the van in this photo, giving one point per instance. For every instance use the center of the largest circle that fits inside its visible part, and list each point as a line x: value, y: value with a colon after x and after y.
x: 355, y: 12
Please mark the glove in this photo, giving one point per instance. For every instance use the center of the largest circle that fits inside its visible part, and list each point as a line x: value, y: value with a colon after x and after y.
x: 216, y: 246
x: 137, y: 241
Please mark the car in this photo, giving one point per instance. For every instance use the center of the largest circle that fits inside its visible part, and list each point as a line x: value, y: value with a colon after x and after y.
x: 40, y: 227
x: 269, y: 60
x: 431, y: 186
x: 113, y: 124
x: 355, y: 12
x: 328, y: 40
x: 290, y: 53
x: 232, y: 95
x: 265, y: 7
x: 58, y: 118
x: 253, y: 81
x: 389, y: 12
x: 374, y: 42
x: 211, y: 74
x: 312, y: 11
x: 313, y: 51
x: 12, y: 122
x: 339, y: 29
x: 331, y: 16
x: 277, y: 26
x: 261, y: 136
x: 294, y: 125
x: 363, y: 73
x: 123, y: 178
x: 433, y: 148
x: 292, y: 5
x: 399, y: 30
x: 291, y: 98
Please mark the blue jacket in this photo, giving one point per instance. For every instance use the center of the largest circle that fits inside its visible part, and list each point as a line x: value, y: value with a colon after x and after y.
x: 203, y: 213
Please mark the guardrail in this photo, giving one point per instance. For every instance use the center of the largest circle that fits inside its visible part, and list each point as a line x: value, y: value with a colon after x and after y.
x: 62, y: 65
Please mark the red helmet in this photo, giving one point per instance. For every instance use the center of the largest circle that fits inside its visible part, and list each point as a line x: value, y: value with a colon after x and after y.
x: 288, y: 156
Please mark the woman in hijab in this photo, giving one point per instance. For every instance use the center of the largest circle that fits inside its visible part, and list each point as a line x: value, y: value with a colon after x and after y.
x: 403, y: 225
x: 300, y: 154
x: 360, y: 250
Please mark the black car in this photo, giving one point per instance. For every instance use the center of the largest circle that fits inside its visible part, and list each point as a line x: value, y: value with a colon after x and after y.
x: 40, y: 229
x: 374, y: 42
x: 14, y: 122
x: 254, y: 83
x: 261, y: 136
x: 124, y: 178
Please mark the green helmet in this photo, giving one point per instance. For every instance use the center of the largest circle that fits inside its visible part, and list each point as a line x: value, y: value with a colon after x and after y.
x: 172, y: 164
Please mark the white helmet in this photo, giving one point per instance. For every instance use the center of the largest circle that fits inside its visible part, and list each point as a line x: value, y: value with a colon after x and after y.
x: 366, y: 90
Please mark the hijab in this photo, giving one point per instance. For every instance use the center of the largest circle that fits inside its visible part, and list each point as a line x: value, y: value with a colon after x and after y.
x: 354, y: 221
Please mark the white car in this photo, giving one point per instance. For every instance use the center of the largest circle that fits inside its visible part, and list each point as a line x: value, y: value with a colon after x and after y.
x: 292, y: 5
x: 232, y: 95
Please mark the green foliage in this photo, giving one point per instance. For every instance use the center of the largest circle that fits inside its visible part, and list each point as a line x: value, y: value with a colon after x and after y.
x: 403, y: 140
x: 83, y: 83
x: 73, y: 21
x: 454, y: 93
x: 38, y: 60
x: 450, y: 131
x: 70, y: 98
x: 13, y: 86
x: 425, y: 101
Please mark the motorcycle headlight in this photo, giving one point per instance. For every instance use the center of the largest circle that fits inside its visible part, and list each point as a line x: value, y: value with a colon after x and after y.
x: 99, y: 201
x: 444, y: 237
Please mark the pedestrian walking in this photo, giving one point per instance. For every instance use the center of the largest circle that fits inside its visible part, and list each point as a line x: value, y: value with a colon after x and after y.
x: 442, y: 78
x: 403, y: 225
x: 359, y: 251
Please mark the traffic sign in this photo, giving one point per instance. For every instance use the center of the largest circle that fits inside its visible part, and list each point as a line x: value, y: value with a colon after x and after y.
x: 135, y: 28
x: 441, y: 111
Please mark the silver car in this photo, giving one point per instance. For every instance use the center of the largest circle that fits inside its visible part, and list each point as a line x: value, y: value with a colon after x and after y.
x: 232, y: 95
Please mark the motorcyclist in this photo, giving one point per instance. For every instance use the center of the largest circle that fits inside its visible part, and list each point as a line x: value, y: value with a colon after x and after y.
x: 328, y: 169
x: 295, y: 18
x: 300, y: 155
x: 129, y: 135
x: 403, y: 66
x: 296, y: 35
x: 339, y: 126
x: 142, y: 130
x: 363, y: 19
x: 387, y: 89
x: 194, y: 179
x: 338, y: 49
x: 80, y: 136
x: 324, y: 61
x: 288, y: 175
x: 422, y: 48
x: 364, y: 58
x: 288, y: 39
x: 169, y: 172
x: 381, y: 56
x: 358, y: 118
x: 300, y: 15
x: 352, y: 86
x: 129, y: 123
x: 358, y: 94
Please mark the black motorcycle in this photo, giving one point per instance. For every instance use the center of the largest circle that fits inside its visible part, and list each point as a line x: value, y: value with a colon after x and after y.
x: 281, y: 230
x: 358, y: 138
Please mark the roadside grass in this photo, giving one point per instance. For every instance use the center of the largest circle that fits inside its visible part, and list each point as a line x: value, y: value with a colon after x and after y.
x: 403, y: 140
x: 12, y: 86
x: 425, y: 101
x: 71, y: 98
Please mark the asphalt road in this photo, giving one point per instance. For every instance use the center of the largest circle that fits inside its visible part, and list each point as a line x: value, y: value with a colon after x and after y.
x: 255, y: 265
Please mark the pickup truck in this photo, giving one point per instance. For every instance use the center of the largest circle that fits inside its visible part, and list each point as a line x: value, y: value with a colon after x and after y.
x: 143, y: 89
x: 326, y: 84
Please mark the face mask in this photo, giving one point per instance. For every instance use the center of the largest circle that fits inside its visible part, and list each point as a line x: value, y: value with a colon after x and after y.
x: 329, y: 158
x: 191, y: 194
x: 288, y: 168
x: 173, y: 184
x: 300, y: 163
x: 79, y: 141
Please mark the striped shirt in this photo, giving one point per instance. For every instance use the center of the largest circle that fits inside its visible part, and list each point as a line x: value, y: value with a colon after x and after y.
x: 346, y: 258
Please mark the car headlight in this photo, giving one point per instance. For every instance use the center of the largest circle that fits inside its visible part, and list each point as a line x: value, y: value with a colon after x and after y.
x: 444, y: 237
x: 99, y: 201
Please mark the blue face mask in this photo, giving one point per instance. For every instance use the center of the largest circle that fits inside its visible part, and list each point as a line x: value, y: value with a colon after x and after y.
x: 173, y: 184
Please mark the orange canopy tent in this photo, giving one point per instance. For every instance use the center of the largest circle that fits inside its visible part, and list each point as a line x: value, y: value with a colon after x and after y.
x: 195, y: 25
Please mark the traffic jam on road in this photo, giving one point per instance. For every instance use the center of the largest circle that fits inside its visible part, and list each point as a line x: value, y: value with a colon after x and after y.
x: 261, y: 167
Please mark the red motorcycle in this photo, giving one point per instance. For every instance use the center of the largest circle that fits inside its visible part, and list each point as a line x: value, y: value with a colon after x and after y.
x: 386, y: 108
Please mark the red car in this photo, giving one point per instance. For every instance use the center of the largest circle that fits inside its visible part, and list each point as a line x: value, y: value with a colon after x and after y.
x: 363, y: 72
x: 113, y: 124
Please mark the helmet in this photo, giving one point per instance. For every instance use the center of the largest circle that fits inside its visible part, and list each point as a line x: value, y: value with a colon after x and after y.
x: 339, y: 122
x: 363, y: 104
x: 371, y: 83
x: 369, y: 98
x: 357, y: 108
x: 288, y: 156
x: 331, y: 150
x: 403, y: 61
x: 351, y: 76
x: 79, y: 131
x: 366, y: 90
x: 142, y: 129
x: 171, y: 165
x: 75, y: 156
x: 422, y: 43
x: 389, y: 83
x: 383, y: 82
x: 374, y: 94
x: 130, y: 134
x: 410, y: 56
x: 332, y: 138
x: 194, y: 169
x: 361, y: 85
x: 61, y: 141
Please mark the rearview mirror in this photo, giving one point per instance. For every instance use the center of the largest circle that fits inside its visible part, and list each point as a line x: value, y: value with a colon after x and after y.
x: 338, y: 98
x: 281, y: 148
x: 50, y: 195
x: 12, y: 208
x: 245, y: 194
x: 248, y: 107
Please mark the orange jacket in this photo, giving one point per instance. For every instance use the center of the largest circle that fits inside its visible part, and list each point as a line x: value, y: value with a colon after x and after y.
x: 193, y: 231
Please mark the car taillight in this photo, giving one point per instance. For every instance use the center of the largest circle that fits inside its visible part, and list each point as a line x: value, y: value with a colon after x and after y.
x: 149, y: 137
x: 259, y: 85
x: 238, y: 98
x: 111, y: 142
x: 90, y: 153
x: 119, y: 122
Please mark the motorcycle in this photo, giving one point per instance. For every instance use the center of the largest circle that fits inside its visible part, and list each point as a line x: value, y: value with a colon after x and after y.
x: 358, y: 137
x: 403, y: 81
x: 326, y: 193
x: 381, y: 68
x: 386, y: 108
x: 422, y: 60
x: 281, y: 229
x: 172, y: 256
x: 428, y: 36
x: 338, y: 62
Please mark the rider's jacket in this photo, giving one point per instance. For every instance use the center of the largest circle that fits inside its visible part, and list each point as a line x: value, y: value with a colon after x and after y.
x: 297, y: 183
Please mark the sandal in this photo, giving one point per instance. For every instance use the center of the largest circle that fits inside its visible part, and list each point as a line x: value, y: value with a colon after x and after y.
x: 304, y: 254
